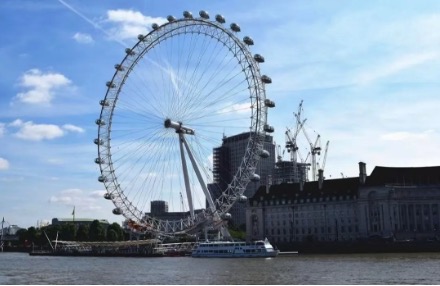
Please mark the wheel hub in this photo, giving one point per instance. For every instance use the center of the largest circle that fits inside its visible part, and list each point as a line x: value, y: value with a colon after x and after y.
x: 177, y: 125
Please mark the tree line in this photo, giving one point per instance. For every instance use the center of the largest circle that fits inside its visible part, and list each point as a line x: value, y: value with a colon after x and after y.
x: 96, y: 231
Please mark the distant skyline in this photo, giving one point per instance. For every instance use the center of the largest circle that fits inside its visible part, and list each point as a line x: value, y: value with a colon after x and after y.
x: 368, y: 73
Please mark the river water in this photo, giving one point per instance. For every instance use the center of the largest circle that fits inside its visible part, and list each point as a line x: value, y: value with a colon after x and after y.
x: 404, y: 268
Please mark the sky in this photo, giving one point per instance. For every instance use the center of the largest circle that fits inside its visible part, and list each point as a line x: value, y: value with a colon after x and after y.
x: 367, y: 73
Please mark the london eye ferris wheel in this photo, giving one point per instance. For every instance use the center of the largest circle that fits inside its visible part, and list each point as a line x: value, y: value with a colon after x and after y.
x: 174, y: 96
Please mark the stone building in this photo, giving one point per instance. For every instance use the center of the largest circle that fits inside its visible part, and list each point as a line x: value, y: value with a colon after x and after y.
x: 78, y: 221
x: 397, y: 203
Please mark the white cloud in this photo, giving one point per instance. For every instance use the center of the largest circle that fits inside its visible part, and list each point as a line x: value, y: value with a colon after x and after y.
x: 41, y: 86
x: 73, y: 128
x: 97, y: 194
x: 36, y: 132
x: 131, y: 23
x: 79, y: 198
x: 83, y: 38
x: 4, y: 164
x: 403, y: 135
x: 236, y: 108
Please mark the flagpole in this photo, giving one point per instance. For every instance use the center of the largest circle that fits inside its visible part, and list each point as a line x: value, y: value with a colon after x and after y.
x: 1, y: 239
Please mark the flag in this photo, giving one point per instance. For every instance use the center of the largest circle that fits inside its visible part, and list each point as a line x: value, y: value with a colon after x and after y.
x: 73, y: 212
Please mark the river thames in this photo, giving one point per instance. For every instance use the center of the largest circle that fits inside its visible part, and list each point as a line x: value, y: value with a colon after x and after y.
x: 404, y: 268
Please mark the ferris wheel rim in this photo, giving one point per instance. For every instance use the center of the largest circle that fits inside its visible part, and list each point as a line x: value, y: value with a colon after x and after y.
x: 256, y: 87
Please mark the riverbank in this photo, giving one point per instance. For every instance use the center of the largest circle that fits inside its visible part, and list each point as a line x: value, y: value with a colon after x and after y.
x: 360, y: 247
x: 93, y: 254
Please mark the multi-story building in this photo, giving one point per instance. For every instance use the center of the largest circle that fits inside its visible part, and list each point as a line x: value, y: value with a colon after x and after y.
x: 78, y: 221
x: 226, y: 161
x: 398, y: 203
x: 290, y: 172
x: 159, y: 210
x: 10, y: 233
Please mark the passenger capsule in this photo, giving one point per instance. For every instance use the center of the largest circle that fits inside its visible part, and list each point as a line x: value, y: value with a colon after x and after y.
x: 117, y: 211
x: 242, y: 199
x: 255, y: 178
x: 154, y: 26
x: 109, y: 196
x: 141, y: 37
x: 268, y: 128
x: 235, y: 27
x: 259, y: 58
x: 264, y: 154
x: 248, y: 41
x: 99, y: 161
x: 266, y: 79
x: 220, y: 19
x: 104, y: 103
x: 129, y: 52
x: 119, y: 67
x: 204, y: 14
x: 187, y: 15
x: 269, y: 103
x: 110, y: 84
x: 226, y: 216
x: 98, y: 141
x: 100, y: 122
x: 102, y: 179
x: 171, y: 19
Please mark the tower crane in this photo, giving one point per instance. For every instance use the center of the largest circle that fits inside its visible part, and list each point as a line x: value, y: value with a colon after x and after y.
x: 325, y: 157
x: 278, y: 152
x: 291, y: 145
x: 325, y: 154
x: 315, y: 149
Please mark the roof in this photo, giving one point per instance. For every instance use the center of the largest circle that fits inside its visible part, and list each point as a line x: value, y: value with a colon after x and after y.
x: 335, y: 187
x: 380, y: 176
x: 404, y: 175
x: 80, y: 220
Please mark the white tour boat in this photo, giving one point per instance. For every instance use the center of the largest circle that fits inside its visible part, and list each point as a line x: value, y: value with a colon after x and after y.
x: 259, y: 248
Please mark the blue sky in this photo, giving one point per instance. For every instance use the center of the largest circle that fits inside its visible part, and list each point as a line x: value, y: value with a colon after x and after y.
x: 368, y: 73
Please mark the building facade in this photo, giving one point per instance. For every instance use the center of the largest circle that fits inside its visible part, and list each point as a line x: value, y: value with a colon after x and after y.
x: 226, y: 161
x: 78, y: 221
x: 397, y: 203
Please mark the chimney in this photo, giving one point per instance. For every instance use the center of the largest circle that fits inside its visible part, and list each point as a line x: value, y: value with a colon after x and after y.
x: 320, y: 178
x: 269, y: 183
x: 362, y: 173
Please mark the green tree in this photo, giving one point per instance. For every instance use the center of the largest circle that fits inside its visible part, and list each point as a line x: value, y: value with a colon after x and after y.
x: 52, y: 231
x: 22, y: 236
x: 112, y: 235
x: 119, y: 233
x: 68, y: 232
x: 97, y: 231
x: 31, y: 235
x: 83, y: 233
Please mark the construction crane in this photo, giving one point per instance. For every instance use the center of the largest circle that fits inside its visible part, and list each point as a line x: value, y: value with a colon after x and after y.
x: 278, y: 152
x: 315, y: 149
x: 291, y: 145
x: 325, y: 154
x: 325, y: 157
